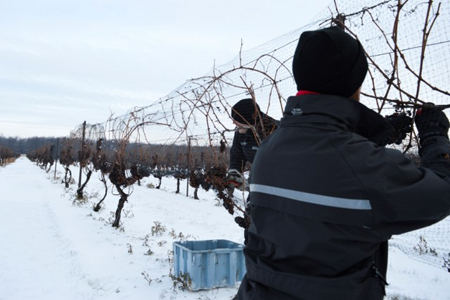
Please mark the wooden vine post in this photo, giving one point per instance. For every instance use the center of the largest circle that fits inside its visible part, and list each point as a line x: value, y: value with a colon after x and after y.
x: 82, y: 149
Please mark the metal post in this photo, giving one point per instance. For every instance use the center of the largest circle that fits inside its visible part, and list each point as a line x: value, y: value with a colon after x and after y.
x: 56, y: 156
x: 189, y: 166
x: 82, y: 149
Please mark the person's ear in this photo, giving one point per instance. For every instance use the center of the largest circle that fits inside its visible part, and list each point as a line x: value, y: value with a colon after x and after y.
x: 356, y: 95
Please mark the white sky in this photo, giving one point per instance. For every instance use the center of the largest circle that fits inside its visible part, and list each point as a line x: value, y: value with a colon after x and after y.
x: 65, y: 61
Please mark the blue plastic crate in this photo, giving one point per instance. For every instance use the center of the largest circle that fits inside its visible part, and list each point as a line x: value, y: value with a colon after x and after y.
x: 210, y: 263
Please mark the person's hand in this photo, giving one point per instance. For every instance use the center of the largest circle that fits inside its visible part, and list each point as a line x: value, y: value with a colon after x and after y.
x: 235, y: 179
x: 431, y: 121
x: 402, y: 125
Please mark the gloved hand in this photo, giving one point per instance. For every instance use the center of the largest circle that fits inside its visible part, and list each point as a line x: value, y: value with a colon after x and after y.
x: 431, y: 121
x: 402, y: 126
x: 235, y: 179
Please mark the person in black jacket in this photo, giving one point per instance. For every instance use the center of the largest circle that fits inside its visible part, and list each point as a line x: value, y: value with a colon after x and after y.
x: 326, y: 194
x: 252, y: 127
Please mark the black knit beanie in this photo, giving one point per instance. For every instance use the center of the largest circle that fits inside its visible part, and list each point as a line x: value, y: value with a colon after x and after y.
x: 244, y: 111
x: 329, y: 61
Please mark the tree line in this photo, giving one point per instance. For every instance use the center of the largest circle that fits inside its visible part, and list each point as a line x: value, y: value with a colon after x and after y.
x: 26, y: 145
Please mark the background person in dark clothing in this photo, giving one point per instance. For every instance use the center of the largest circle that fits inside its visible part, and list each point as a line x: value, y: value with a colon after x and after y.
x: 326, y: 194
x: 252, y: 127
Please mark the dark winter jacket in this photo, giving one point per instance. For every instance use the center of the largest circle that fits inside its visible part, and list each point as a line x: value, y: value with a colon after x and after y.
x: 326, y: 199
x: 243, y: 149
x: 245, y: 145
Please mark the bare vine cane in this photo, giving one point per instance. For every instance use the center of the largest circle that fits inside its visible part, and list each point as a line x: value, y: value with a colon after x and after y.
x: 407, y: 102
x: 122, y: 131
x: 67, y: 159
x: 85, y: 159
x: 101, y: 164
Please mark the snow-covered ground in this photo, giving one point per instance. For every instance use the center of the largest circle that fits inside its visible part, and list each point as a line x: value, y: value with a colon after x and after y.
x: 52, y: 247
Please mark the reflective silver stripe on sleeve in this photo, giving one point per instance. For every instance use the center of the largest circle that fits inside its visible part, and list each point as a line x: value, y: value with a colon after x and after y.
x: 356, y: 204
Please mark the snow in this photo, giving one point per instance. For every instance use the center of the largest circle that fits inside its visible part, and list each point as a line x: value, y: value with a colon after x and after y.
x: 53, y: 247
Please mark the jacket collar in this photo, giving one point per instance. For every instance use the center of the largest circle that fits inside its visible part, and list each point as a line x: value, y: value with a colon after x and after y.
x: 337, y: 112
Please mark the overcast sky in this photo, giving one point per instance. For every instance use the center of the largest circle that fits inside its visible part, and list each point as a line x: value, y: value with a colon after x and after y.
x: 66, y: 61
